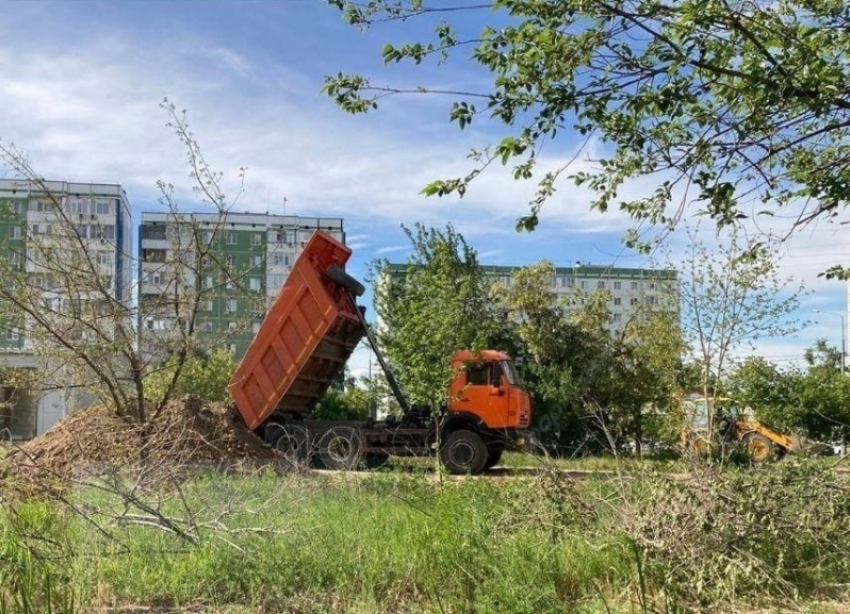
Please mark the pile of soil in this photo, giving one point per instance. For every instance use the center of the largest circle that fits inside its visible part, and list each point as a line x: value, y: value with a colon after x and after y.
x: 188, y: 432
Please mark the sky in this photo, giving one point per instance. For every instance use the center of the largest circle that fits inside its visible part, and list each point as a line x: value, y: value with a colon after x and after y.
x: 81, y: 84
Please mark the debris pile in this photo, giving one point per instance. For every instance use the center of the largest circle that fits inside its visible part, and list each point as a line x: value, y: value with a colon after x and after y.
x: 186, y: 432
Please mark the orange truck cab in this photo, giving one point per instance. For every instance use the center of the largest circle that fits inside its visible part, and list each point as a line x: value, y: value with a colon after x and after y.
x: 309, y: 333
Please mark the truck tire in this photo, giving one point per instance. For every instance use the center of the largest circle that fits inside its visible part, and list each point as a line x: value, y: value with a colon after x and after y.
x: 463, y: 452
x: 759, y: 448
x: 494, y: 455
x: 341, y: 448
x: 341, y: 278
x: 294, y: 444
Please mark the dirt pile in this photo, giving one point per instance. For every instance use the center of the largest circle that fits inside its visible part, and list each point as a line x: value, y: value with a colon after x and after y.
x: 188, y: 431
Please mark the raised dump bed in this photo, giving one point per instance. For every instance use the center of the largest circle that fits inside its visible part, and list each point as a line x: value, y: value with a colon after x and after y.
x: 306, y: 337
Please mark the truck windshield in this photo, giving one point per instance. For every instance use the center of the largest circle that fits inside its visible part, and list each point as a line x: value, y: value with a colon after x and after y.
x: 512, y: 373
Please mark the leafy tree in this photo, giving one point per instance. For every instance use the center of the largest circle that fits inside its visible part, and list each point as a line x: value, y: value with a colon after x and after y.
x: 583, y: 375
x: 731, y: 295
x: 768, y: 390
x: 429, y: 309
x: 202, y: 375
x: 722, y: 103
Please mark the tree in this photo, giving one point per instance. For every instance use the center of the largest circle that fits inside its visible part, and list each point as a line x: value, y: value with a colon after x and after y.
x: 731, y: 295
x: 581, y: 371
x: 74, y: 310
x: 721, y: 103
x: 433, y: 306
x: 204, y: 375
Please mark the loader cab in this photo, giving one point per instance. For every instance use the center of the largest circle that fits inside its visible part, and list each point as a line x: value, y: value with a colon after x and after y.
x: 487, y: 385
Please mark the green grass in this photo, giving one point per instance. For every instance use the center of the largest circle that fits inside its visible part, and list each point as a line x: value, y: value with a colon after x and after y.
x: 391, y: 541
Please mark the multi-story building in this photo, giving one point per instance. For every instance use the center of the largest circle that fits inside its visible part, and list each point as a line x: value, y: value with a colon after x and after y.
x: 44, y: 227
x: 634, y: 292
x: 246, y: 259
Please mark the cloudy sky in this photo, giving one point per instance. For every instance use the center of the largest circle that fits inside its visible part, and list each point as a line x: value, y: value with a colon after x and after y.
x: 81, y: 85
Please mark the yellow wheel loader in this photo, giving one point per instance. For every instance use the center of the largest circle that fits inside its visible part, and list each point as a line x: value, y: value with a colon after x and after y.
x: 721, y: 420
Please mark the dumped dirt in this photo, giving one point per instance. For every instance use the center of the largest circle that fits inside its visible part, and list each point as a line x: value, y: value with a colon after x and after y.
x: 188, y: 432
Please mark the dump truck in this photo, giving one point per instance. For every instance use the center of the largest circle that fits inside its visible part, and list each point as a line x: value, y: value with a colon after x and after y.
x: 723, y: 420
x: 302, y: 345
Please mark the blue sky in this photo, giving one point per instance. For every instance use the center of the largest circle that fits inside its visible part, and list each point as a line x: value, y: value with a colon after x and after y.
x: 81, y: 84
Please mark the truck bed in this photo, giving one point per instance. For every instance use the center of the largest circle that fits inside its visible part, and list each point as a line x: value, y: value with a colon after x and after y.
x: 307, y: 336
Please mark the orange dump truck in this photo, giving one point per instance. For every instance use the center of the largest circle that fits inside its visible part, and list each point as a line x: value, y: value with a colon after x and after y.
x: 307, y: 336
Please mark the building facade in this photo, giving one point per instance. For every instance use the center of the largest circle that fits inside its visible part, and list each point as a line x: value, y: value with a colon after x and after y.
x: 236, y: 264
x: 44, y: 226
x: 634, y: 292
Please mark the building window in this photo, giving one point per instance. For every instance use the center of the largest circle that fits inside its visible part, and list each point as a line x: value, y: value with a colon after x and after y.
x: 634, y: 301
x: 255, y: 326
x: 156, y: 279
x: 229, y: 260
x: 208, y: 281
x: 618, y: 285
x: 14, y: 334
x: 232, y: 304
x: 254, y: 284
x: 280, y: 237
x: 206, y: 305
x: 634, y: 285
x: 652, y: 285
x: 36, y: 229
x: 231, y: 326
x: 231, y: 237
x: 600, y: 285
x: 650, y: 300
x: 108, y: 231
x: 228, y: 284
x: 232, y: 348
x: 19, y: 207
x: 104, y: 207
x: 618, y: 300
x: 256, y: 239
x: 207, y: 237
x: 206, y: 326
x: 583, y: 284
x: 14, y: 232
x: 258, y: 261
x: 153, y: 255
x: 615, y: 317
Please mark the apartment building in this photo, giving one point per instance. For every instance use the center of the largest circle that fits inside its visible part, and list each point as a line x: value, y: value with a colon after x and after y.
x: 249, y: 257
x: 43, y: 223
x: 634, y: 292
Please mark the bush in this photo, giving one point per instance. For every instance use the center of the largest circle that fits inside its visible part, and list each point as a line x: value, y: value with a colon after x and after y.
x: 718, y: 537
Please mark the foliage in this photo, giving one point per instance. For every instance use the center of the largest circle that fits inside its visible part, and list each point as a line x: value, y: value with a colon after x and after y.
x: 717, y: 538
x: 731, y: 295
x: 431, y: 308
x: 814, y: 400
x: 351, y: 403
x: 721, y: 103
x: 590, y: 382
x: 205, y: 376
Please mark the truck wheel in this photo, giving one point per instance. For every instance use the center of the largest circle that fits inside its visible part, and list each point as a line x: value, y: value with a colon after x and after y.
x: 341, y: 448
x: 341, y: 278
x: 463, y: 452
x: 759, y: 447
x: 294, y: 444
x: 494, y: 455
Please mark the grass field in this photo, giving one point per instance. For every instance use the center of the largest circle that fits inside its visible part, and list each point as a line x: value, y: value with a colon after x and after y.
x: 392, y: 541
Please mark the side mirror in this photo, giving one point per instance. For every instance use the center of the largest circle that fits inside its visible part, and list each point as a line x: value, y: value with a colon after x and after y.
x: 496, y: 391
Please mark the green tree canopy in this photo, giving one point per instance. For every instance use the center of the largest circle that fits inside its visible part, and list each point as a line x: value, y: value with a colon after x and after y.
x: 730, y: 107
x: 433, y: 306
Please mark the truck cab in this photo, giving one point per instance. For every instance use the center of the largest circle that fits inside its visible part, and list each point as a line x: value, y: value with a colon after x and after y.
x: 487, y: 385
